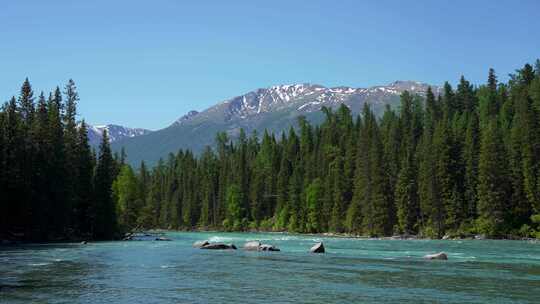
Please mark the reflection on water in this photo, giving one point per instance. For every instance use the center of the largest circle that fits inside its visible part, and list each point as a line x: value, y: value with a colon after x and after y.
x: 353, y: 270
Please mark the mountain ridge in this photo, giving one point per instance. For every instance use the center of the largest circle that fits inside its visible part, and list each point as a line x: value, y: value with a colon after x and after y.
x: 283, y: 94
x: 273, y: 108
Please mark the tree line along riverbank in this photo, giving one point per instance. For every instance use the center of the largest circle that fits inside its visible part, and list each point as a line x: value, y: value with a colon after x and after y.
x: 462, y: 163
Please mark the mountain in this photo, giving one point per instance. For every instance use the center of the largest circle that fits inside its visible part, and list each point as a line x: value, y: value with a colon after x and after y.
x: 115, y: 132
x: 186, y: 117
x: 275, y: 108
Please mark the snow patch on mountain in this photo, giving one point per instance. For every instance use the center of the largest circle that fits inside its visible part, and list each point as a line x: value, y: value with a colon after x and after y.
x: 114, y: 132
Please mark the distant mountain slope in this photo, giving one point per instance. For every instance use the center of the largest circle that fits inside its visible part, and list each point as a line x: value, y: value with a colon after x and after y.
x: 275, y: 108
x: 115, y: 132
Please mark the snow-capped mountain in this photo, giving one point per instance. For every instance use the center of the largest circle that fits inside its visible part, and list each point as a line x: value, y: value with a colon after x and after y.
x: 115, y: 133
x: 274, y: 109
x: 305, y: 98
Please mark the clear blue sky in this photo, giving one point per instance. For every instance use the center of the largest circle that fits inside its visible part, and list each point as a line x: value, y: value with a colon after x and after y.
x: 145, y: 63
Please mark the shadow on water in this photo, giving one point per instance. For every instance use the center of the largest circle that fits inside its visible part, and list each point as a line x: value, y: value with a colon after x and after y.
x: 43, y: 272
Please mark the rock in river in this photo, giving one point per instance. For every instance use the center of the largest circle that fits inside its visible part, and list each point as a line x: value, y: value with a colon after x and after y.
x: 267, y: 247
x: 436, y: 256
x: 317, y: 248
x: 252, y: 246
x: 162, y: 238
x: 218, y: 246
x: 199, y: 244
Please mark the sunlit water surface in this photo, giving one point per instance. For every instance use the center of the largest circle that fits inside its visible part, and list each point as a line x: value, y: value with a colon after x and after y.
x: 352, y: 271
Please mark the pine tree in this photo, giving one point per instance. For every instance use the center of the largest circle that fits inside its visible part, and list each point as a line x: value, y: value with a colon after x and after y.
x: 426, y: 172
x: 27, y: 156
x: 40, y: 200
x: 449, y: 103
x: 493, y: 194
x: 406, y: 196
x: 234, y: 208
x: 209, y: 186
x: 295, y: 222
x: 470, y: 155
x: 3, y: 168
x: 489, y: 105
x: 336, y: 181
x: 444, y: 211
x: 26, y: 103
x: 377, y: 205
x: 127, y: 204
x: 105, y: 225
x: 14, y: 179
x: 70, y: 144
x: 492, y: 80
x: 406, y: 193
x: 58, y: 213
x: 390, y: 133
x: 241, y: 171
x: 84, y: 188
x: 223, y: 151
x: 524, y: 158
x: 282, y: 208
x: 314, y: 206
x: 465, y: 96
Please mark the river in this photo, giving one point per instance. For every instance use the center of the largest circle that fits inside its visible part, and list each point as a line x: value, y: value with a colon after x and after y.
x: 352, y: 271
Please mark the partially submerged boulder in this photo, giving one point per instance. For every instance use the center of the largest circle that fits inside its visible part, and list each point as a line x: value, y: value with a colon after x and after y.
x: 268, y: 247
x: 219, y: 246
x: 257, y: 246
x: 162, y: 238
x: 436, y: 256
x: 252, y: 246
x: 199, y: 244
x: 317, y: 248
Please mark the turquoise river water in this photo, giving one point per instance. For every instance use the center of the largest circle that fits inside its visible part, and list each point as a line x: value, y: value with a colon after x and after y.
x: 352, y: 271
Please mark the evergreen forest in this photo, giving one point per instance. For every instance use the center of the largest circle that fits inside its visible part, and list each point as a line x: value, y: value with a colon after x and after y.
x: 454, y: 161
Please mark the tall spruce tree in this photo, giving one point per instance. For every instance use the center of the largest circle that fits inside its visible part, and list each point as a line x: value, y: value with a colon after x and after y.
x: 105, y: 224
x: 84, y: 209
x: 406, y: 190
x: 493, y: 192
x: 470, y: 155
